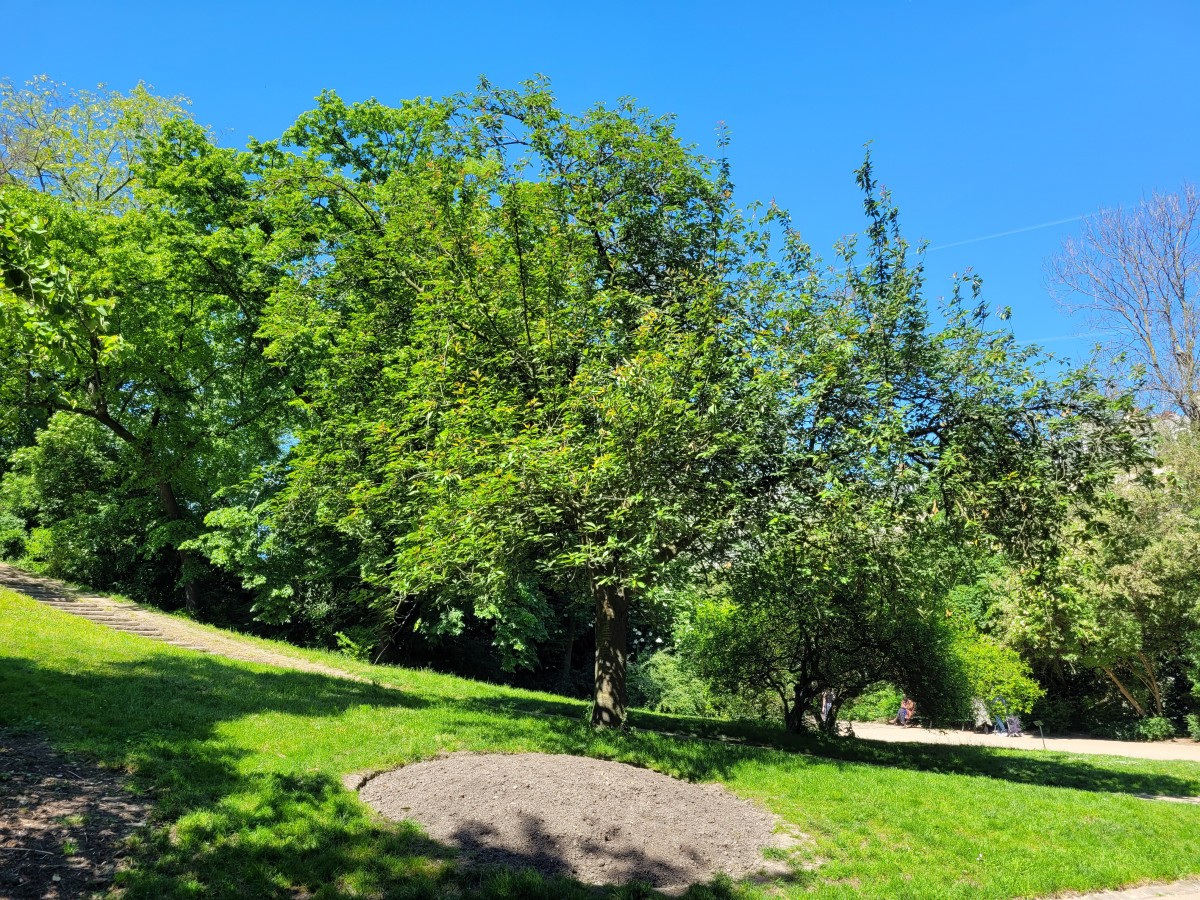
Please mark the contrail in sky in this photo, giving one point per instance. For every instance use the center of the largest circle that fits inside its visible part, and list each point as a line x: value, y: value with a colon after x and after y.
x: 988, y: 237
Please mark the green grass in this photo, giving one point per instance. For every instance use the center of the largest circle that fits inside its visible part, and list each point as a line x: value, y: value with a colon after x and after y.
x: 243, y: 764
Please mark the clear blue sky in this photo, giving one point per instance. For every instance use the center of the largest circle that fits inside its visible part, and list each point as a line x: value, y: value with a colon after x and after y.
x: 984, y: 117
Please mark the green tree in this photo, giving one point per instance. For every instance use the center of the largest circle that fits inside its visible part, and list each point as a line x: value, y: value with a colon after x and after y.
x: 82, y: 146
x: 1123, y: 599
x: 528, y: 340
x: 143, y: 318
x: 914, y: 454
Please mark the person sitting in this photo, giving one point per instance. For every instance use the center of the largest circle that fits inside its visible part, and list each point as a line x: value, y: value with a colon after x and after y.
x: 905, y: 713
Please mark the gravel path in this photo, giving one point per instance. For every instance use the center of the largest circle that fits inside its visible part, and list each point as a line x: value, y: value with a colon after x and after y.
x: 1178, y: 890
x: 592, y: 820
x: 131, y: 618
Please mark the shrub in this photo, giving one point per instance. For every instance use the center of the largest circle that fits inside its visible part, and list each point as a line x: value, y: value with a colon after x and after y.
x: 878, y: 702
x: 997, y: 675
x: 1193, y: 726
x: 12, y: 536
x: 1155, y: 728
x: 662, y: 683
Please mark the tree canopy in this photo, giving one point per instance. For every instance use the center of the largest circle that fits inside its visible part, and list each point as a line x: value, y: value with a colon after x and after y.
x: 479, y: 372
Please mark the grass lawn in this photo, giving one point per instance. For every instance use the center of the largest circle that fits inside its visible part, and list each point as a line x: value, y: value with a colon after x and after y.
x: 243, y: 764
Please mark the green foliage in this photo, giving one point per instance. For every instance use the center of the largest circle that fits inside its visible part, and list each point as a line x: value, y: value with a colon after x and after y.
x: 1155, y: 728
x: 13, y: 534
x: 1193, y: 726
x: 77, y: 516
x: 139, y: 311
x: 357, y: 645
x: 875, y: 704
x: 477, y: 366
x: 1122, y: 598
x: 529, y: 364
x: 997, y: 675
x: 82, y: 146
x: 663, y: 684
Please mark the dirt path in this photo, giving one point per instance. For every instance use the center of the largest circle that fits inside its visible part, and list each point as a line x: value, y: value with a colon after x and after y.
x: 131, y: 618
x: 1178, y: 749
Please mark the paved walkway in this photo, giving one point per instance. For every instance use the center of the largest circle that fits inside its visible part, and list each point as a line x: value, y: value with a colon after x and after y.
x: 1181, y: 749
x: 132, y: 618
x: 1178, y: 891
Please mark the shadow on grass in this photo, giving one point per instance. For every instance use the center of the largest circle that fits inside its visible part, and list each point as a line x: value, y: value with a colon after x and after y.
x: 727, y: 743
x: 219, y: 830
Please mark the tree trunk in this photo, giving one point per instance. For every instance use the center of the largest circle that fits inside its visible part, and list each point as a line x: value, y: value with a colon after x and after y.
x: 191, y: 593
x: 564, y: 679
x: 612, y: 626
x: 1138, y: 708
x: 794, y: 719
x: 1151, y: 682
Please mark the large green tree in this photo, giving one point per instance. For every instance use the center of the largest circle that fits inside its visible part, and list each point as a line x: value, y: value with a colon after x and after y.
x: 529, y: 341
x: 142, y: 316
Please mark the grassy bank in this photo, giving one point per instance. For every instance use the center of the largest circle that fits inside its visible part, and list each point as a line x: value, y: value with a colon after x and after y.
x: 243, y: 764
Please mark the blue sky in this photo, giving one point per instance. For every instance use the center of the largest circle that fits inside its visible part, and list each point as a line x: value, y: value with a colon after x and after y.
x: 984, y: 118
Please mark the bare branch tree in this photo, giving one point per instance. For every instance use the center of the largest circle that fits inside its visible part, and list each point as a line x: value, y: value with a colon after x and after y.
x: 1136, y: 275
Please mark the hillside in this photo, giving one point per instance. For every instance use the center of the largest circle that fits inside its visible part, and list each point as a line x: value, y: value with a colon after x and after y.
x: 242, y: 766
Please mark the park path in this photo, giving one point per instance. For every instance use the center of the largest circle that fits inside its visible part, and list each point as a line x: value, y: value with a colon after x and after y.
x: 132, y: 618
x: 1180, y: 749
x: 1179, y: 890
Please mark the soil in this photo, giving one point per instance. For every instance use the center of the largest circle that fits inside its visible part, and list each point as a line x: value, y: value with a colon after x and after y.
x: 595, y: 821
x: 64, y: 824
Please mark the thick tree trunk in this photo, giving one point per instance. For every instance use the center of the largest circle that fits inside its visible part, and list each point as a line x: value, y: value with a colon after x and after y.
x: 612, y: 626
x: 794, y: 717
x: 191, y: 592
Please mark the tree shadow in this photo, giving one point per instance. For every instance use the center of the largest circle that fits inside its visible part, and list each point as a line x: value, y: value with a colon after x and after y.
x: 701, y: 750
x: 221, y: 828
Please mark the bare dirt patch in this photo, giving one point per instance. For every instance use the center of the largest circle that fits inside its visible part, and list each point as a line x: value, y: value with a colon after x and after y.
x: 63, y: 824
x: 595, y: 821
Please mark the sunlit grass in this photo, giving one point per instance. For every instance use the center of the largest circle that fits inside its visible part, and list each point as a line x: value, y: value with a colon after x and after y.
x: 243, y: 764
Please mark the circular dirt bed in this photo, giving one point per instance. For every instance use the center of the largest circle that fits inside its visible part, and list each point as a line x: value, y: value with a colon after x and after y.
x: 594, y: 821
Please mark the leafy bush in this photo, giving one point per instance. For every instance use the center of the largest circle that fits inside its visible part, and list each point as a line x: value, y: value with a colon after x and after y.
x: 997, y: 675
x: 358, y: 643
x: 70, y: 507
x: 1193, y: 726
x: 1155, y: 728
x: 662, y: 683
x: 12, y: 536
x: 879, y: 702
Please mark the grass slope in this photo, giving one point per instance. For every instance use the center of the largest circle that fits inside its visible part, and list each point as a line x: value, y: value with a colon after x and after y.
x: 243, y: 764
